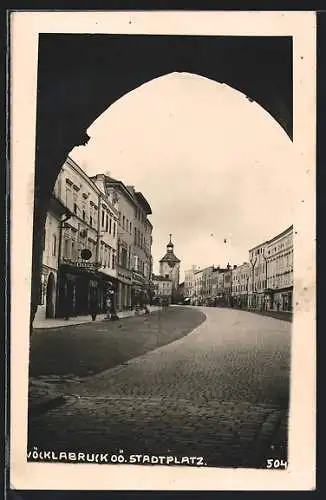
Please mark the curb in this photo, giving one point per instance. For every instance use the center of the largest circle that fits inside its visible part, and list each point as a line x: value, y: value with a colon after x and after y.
x: 40, y: 408
x: 65, y: 325
x: 288, y: 319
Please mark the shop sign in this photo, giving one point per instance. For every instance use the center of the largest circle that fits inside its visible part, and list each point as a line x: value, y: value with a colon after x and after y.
x: 89, y: 266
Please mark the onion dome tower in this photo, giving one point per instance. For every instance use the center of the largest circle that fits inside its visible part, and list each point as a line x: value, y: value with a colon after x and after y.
x: 170, y: 266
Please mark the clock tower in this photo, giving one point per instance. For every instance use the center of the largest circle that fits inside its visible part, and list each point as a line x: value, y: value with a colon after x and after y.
x: 170, y: 267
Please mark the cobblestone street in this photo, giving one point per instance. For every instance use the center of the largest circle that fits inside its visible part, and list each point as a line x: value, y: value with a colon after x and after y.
x: 221, y: 392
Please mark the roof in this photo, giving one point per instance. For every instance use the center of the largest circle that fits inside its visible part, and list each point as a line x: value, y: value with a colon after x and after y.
x: 119, y: 184
x: 143, y: 202
x: 170, y: 257
x: 287, y: 230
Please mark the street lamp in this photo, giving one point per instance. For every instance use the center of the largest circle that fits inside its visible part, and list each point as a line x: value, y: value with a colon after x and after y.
x: 62, y: 222
x: 266, y: 268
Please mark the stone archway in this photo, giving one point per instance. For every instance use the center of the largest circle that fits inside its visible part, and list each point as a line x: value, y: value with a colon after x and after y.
x: 50, y: 297
x: 80, y: 76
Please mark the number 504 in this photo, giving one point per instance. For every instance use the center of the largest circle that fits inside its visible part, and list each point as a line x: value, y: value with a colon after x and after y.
x: 276, y: 464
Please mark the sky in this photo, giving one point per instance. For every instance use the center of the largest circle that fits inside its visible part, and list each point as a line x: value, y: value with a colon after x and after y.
x: 213, y: 166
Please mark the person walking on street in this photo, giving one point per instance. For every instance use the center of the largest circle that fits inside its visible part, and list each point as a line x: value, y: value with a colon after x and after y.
x: 108, y: 307
x: 93, y: 306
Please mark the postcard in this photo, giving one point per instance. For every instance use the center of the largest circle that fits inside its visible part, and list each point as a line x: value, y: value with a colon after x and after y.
x: 163, y: 250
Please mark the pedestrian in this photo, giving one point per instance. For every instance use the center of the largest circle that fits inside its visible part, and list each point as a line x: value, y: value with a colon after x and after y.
x: 108, y: 307
x: 93, y: 306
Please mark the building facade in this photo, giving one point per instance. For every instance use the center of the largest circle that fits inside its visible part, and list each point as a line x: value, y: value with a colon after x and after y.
x: 205, y: 285
x: 258, y: 277
x: 107, y: 251
x: 125, y: 227
x: 142, y: 248
x: 189, y: 284
x: 271, y: 276
x: 279, y: 261
x: 97, y: 249
x: 79, y: 282
x: 162, y: 288
x: 50, y: 264
x: 240, y: 285
x: 170, y: 268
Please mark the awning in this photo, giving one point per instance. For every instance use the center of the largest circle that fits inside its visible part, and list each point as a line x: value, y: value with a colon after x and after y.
x: 126, y: 281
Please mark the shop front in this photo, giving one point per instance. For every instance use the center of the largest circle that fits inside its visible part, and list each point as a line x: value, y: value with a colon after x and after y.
x: 124, y: 294
x: 268, y: 299
x: 139, y: 295
x: 80, y: 289
x: 283, y: 299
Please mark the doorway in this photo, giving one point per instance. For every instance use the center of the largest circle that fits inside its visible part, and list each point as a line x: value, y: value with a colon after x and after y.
x: 50, y: 297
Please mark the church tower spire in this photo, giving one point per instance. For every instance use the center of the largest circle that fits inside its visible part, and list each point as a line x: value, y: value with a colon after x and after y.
x: 170, y: 245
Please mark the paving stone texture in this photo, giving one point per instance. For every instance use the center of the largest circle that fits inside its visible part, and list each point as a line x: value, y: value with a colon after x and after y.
x: 221, y: 392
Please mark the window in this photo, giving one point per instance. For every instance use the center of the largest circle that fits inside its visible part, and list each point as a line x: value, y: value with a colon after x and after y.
x: 113, y: 261
x: 130, y: 228
x: 103, y: 216
x: 75, y: 208
x: 124, y: 256
x: 123, y: 222
x: 114, y: 229
x: 66, y: 248
x: 110, y: 229
x: 91, y: 220
x: 106, y: 223
x: 72, y: 250
x: 54, y: 244
x: 135, y: 236
x: 84, y: 215
x: 68, y: 198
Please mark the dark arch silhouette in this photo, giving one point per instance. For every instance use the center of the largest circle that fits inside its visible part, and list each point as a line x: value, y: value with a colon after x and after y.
x: 50, y: 294
x: 80, y: 76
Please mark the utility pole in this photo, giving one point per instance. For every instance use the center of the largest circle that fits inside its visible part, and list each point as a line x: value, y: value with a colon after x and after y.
x: 253, y: 263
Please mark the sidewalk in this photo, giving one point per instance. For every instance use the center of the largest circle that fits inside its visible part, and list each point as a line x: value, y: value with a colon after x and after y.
x: 79, y: 320
x: 282, y: 315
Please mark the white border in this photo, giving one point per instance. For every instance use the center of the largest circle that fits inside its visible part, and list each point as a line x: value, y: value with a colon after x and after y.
x: 24, y: 38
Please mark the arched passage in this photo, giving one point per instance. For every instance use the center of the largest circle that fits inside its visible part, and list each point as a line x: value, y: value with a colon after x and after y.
x: 80, y: 76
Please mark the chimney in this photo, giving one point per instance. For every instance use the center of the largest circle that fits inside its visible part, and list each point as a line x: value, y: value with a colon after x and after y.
x: 234, y: 267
